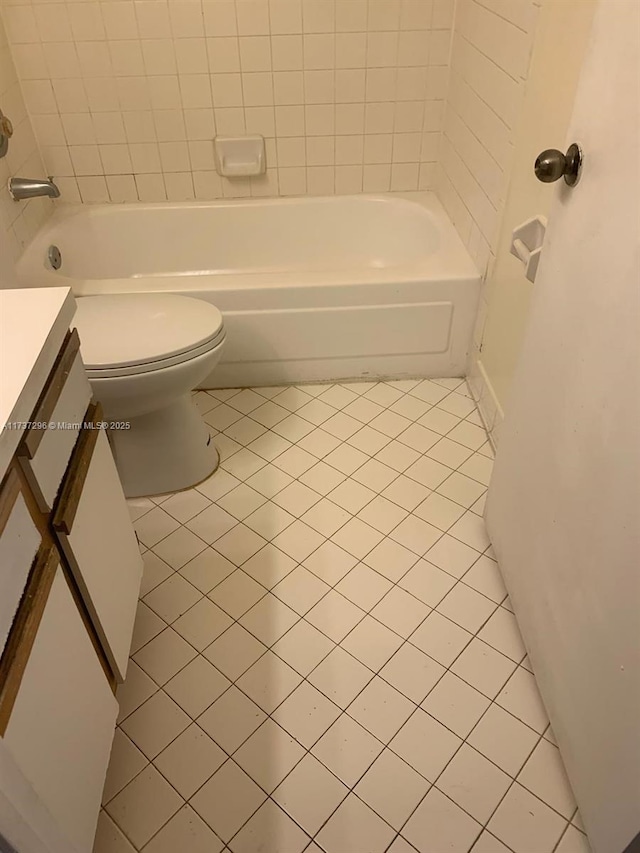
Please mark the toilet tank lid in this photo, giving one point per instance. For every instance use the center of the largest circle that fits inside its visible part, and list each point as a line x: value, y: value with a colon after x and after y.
x: 140, y: 328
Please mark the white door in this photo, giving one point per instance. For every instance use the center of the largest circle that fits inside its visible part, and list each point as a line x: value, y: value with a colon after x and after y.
x: 563, y: 510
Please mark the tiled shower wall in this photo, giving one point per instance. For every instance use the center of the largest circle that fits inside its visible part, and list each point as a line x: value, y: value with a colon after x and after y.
x: 126, y: 95
x: 18, y: 222
x: 492, y: 44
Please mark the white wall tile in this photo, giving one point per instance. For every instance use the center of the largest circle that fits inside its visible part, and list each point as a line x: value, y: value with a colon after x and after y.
x: 136, y: 72
x: 489, y: 64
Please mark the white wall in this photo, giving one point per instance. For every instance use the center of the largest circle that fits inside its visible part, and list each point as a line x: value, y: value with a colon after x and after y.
x: 18, y: 220
x: 560, y: 44
x: 492, y: 46
x: 126, y: 95
x: 563, y: 508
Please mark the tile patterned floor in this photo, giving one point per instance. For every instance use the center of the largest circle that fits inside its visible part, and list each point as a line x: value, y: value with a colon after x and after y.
x: 325, y: 658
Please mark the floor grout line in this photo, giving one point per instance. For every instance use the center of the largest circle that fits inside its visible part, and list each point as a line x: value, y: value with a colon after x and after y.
x: 331, y: 588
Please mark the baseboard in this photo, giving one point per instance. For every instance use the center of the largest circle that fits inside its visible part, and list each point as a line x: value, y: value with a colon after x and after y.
x: 363, y: 369
x: 491, y: 412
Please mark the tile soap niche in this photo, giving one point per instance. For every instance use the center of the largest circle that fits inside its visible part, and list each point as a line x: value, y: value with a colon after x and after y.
x: 239, y: 156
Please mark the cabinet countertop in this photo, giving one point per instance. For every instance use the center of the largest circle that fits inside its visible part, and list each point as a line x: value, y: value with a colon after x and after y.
x: 33, y: 323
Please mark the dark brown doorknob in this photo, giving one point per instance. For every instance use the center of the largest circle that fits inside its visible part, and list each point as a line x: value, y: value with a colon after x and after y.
x: 551, y: 165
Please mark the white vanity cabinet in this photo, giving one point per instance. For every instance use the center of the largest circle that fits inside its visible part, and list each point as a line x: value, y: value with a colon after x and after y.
x: 70, y: 571
x: 19, y: 542
x: 61, y: 725
x: 93, y: 527
x: 44, y: 452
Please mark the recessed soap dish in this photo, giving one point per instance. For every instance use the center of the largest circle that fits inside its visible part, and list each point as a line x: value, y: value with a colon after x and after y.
x: 239, y: 156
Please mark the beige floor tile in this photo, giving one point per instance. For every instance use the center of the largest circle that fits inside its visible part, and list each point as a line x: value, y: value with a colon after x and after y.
x: 231, y: 719
x: 372, y: 643
x: 185, y: 831
x: 335, y: 616
x: 425, y: 744
x: 155, y: 571
x: 202, y: 624
x: 155, y: 724
x: 146, y: 626
x: 269, y: 566
x: 544, y: 775
x: 189, y: 760
x: 237, y: 594
x: 144, y: 806
x: 457, y: 705
x: 330, y: 563
x: 234, y: 651
x: 484, y: 668
x: 340, y: 677
x: 520, y: 696
x: 412, y: 672
x: 442, y: 825
x: 347, y: 749
x: 363, y: 586
x: 427, y: 582
x: 228, y: 800
x: 392, y: 788
x: 125, y: 762
x: 269, y: 755
x: 239, y: 544
x: 135, y: 690
x: 269, y: 619
x: 503, y: 739
x: 525, y: 823
x: 381, y: 709
x: 401, y: 612
x: 207, y: 570
x: 386, y: 452
x: 354, y: 826
x: 172, y: 598
x: 269, y: 681
x: 298, y: 540
x: 270, y: 830
x: 303, y: 647
x: 310, y: 811
x: 391, y: 559
x: 110, y: 838
x: 474, y: 783
x: 306, y: 714
x: 165, y: 655
x: 300, y: 590
x: 196, y: 686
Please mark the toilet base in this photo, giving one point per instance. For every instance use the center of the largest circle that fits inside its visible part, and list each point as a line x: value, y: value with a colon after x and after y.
x: 164, y: 451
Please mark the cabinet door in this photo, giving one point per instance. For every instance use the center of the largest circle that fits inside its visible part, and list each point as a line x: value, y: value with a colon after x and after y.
x: 61, y: 725
x: 44, y: 452
x: 19, y: 543
x: 94, y: 530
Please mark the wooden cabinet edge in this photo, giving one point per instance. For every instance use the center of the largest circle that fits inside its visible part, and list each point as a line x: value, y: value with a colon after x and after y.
x: 51, y: 394
x: 62, y: 519
x: 69, y: 496
x: 71, y: 574
x: 9, y: 491
x: 24, y: 628
x: 27, y: 620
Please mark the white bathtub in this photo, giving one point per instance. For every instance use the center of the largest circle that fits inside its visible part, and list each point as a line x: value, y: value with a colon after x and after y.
x: 310, y: 288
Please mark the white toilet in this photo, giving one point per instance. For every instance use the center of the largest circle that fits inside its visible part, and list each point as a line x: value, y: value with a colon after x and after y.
x: 144, y: 354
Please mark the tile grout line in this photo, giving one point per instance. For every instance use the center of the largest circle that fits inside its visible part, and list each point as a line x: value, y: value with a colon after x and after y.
x: 332, y: 587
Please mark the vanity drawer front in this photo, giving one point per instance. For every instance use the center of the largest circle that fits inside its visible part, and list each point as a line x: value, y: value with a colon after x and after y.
x: 20, y: 539
x: 44, y: 452
x: 91, y: 522
x: 60, y: 728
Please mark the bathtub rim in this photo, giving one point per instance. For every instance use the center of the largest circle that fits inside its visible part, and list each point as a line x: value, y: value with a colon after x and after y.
x: 451, y: 261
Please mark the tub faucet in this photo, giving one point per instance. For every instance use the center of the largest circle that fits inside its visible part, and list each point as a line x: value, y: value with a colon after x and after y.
x: 22, y: 188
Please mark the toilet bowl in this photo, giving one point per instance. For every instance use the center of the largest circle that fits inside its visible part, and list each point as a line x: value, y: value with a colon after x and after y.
x: 144, y: 354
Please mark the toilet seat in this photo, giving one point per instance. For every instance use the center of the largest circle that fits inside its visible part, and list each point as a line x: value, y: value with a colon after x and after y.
x: 131, y: 333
